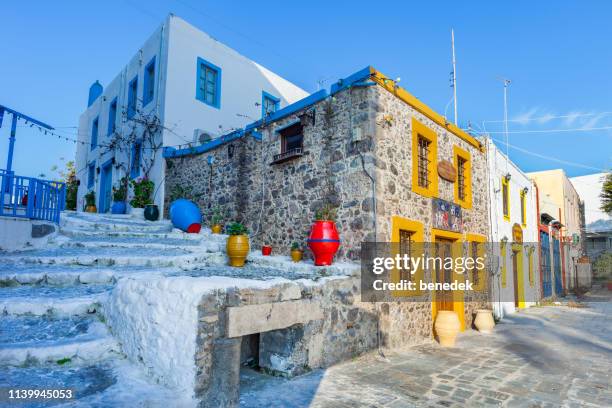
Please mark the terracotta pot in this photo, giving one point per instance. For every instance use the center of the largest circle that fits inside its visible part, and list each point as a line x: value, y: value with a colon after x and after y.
x: 237, y: 249
x: 296, y: 255
x: 91, y: 209
x: 324, y: 242
x: 447, y: 327
x: 216, y: 228
x: 266, y: 250
x: 484, y: 321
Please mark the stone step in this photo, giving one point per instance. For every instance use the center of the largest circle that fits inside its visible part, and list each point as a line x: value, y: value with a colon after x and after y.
x: 90, y: 233
x: 109, y: 383
x: 40, y: 300
x: 24, y: 330
x: 93, y: 345
x: 30, y: 274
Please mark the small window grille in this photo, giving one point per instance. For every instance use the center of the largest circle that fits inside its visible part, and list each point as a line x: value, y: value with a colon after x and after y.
x: 424, y: 162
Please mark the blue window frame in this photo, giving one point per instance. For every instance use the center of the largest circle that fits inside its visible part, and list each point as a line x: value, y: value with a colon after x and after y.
x: 91, y: 174
x: 94, y: 132
x: 135, y: 160
x: 132, y: 92
x: 208, y: 86
x: 269, y: 104
x: 149, y: 83
x: 112, y: 117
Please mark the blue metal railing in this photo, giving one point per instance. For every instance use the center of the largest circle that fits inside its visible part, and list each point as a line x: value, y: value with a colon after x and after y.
x: 28, y: 197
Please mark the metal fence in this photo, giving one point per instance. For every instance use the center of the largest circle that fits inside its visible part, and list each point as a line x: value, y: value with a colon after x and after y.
x: 28, y: 197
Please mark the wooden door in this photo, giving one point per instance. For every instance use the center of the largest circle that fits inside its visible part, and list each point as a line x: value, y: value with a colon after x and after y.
x: 444, y: 298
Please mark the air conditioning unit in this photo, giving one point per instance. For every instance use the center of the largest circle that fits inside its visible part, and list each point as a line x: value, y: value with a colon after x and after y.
x: 201, y: 136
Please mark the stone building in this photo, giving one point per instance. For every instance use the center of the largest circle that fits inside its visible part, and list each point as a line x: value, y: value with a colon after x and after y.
x: 371, y: 149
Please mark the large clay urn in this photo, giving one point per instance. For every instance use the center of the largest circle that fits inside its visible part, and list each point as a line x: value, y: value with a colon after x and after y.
x: 324, y: 242
x: 447, y: 327
x: 484, y: 321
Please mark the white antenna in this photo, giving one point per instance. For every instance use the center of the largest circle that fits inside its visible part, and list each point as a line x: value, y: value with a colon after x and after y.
x: 454, y: 74
x: 506, y: 84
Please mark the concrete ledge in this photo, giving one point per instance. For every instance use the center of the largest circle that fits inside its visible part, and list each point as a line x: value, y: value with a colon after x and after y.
x: 251, y: 319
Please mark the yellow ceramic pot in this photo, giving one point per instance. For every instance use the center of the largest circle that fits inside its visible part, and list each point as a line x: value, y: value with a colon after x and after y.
x: 296, y: 255
x: 484, y: 321
x: 237, y: 249
x: 447, y: 327
x: 91, y: 209
x: 216, y: 228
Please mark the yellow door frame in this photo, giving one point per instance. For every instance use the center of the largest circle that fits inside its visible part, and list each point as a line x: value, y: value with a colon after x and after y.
x: 517, y: 250
x: 458, y: 296
x: 416, y: 227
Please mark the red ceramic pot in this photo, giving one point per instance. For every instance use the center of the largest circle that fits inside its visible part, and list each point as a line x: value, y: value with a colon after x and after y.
x: 324, y: 242
x: 266, y: 250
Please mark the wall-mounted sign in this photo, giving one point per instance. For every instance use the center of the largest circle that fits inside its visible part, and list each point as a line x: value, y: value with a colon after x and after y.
x: 447, y: 171
x: 446, y: 216
x: 517, y: 233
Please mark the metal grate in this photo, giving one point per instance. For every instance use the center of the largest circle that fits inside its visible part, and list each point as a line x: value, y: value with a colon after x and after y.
x: 423, y: 162
x: 405, y: 248
x: 461, y: 177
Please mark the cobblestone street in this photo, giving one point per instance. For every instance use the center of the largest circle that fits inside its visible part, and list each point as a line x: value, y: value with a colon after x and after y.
x: 549, y: 356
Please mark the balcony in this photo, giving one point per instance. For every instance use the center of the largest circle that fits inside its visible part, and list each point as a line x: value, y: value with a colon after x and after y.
x: 288, y: 155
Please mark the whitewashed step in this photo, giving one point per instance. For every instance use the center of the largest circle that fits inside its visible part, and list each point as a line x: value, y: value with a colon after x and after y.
x: 29, y: 274
x: 174, y: 234
x: 24, y: 330
x: 94, y: 345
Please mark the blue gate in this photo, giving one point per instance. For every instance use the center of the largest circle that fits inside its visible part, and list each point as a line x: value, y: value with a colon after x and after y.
x: 557, y: 266
x: 545, y: 264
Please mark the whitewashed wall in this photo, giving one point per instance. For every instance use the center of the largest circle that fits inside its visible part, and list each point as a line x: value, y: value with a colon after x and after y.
x: 499, y: 166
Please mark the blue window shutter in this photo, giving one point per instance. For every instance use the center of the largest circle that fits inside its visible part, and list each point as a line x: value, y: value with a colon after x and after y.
x: 269, y: 104
x: 94, y: 133
x: 91, y: 171
x: 112, y: 117
x: 149, y: 83
x: 208, y: 83
x: 132, y: 92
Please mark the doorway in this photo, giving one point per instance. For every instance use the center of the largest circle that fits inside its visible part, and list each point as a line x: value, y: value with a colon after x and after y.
x: 106, y: 187
x: 444, y: 298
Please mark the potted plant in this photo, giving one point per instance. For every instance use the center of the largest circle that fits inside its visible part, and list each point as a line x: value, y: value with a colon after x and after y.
x: 216, y: 220
x: 266, y: 250
x: 119, y: 195
x: 237, y: 244
x: 142, y: 189
x: 90, y: 202
x: 296, y: 252
x: 324, y: 240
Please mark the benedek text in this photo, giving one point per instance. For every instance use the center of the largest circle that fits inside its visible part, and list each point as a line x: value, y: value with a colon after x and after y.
x: 409, y: 285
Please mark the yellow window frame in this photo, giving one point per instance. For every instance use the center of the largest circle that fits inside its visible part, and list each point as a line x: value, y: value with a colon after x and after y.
x: 505, y: 183
x: 503, y: 263
x: 417, y: 228
x: 523, y: 208
x: 479, y: 240
x: 419, y: 129
x: 465, y: 155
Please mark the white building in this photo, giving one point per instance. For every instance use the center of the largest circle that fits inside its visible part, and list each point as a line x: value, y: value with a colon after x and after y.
x: 195, y: 86
x: 589, y: 188
x: 514, y: 234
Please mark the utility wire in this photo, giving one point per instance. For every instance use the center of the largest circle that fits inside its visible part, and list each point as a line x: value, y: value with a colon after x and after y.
x: 548, y: 117
x: 584, y: 129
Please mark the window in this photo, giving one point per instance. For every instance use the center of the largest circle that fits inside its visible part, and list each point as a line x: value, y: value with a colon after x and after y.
x: 112, y: 117
x: 523, y: 207
x: 405, y: 248
x: 132, y: 92
x: 505, y: 190
x: 135, y: 160
x: 408, y: 238
x: 91, y: 174
x: 477, y: 250
x: 209, y: 84
x: 149, y: 83
x: 94, y: 133
x: 503, y: 264
x: 424, y: 155
x: 292, y: 139
x: 269, y: 104
x: 463, y: 185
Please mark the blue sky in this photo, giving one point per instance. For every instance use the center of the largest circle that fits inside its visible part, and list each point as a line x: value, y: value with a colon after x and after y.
x: 557, y: 55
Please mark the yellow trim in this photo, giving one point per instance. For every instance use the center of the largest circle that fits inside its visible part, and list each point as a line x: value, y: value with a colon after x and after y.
x: 479, y: 240
x: 458, y: 295
x: 505, y: 183
x: 523, y: 208
x: 504, y: 267
x: 400, y: 223
x: 419, y: 129
x: 465, y: 155
x: 517, y: 249
x: 425, y: 110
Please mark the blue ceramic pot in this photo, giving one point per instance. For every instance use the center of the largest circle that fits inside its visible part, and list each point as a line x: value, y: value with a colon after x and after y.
x: 185, y: 215
x: 118, y: 207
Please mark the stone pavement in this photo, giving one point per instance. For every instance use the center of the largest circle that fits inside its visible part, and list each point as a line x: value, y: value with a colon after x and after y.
x: 553, y: 356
